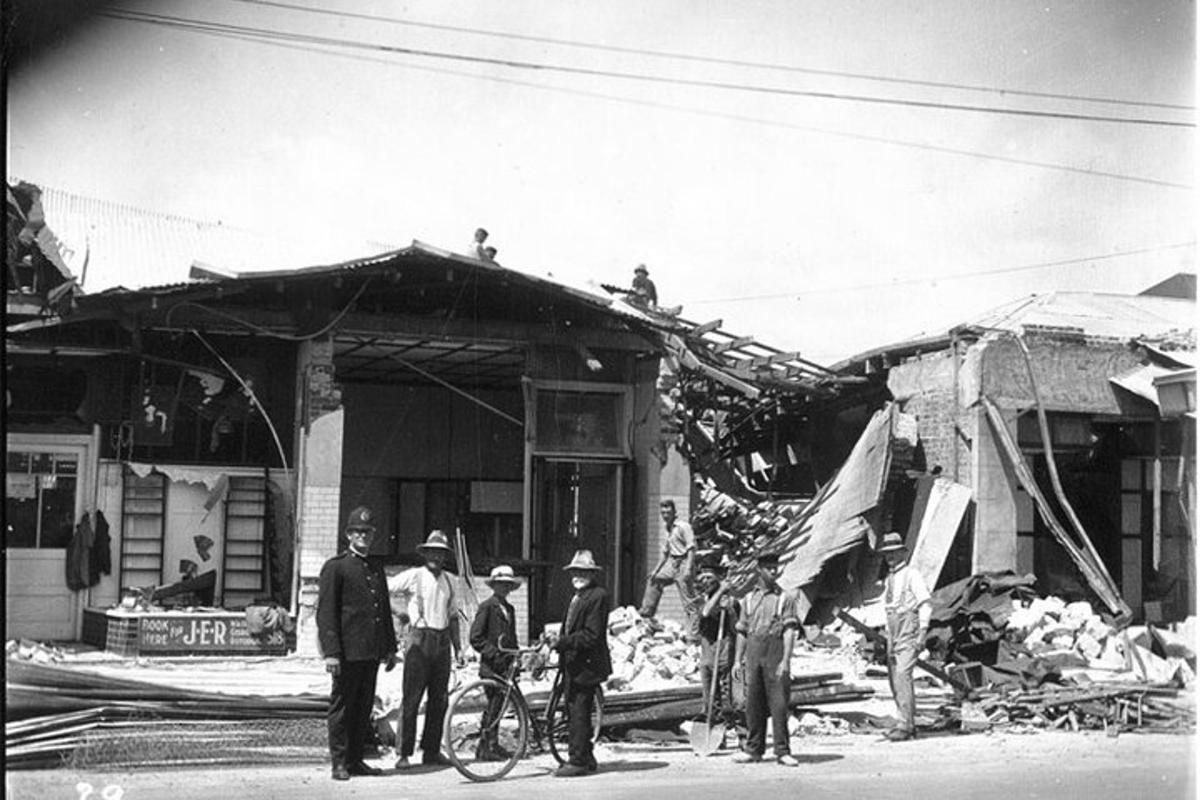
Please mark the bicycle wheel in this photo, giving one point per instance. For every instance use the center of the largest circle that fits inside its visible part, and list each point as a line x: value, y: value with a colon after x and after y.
x: 558, y: 731
x: 486, y: 752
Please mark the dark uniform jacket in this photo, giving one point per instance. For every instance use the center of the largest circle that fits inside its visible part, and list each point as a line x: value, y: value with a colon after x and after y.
x: 354, y: 615
x: 583, y: 643
x: 491, y: 631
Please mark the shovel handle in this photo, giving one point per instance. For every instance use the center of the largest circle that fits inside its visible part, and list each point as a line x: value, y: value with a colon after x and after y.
x: 712, y: 692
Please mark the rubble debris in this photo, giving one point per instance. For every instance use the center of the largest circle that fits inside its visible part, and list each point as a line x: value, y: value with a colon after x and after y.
x: 29, y: 650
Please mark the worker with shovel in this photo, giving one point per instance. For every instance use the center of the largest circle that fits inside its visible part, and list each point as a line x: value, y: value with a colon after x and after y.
x: 766, y: 636
x: 906, y: 600
x: 718, y: 622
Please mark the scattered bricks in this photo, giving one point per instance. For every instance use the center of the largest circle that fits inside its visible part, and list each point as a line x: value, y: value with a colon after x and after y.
x: 974, y: 720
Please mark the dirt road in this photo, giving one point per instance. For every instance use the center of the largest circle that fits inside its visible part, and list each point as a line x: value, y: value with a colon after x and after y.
x: 1009, y: 766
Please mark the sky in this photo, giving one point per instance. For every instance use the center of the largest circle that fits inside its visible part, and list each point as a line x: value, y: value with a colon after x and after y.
x: 815, y: 191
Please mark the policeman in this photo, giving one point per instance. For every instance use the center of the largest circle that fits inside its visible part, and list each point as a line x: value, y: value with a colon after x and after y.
x: 354, y: 629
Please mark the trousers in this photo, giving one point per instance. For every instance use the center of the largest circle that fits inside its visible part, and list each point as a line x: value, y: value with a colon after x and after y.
x: 349, y: 716
x: 579, y: 700
x: 766, y: 694
x: 723, y: 705
x: 672, y: 572
x: 426, y: 672
x: 903, y: 648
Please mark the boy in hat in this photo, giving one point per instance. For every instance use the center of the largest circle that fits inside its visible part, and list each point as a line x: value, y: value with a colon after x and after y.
x: 906, y: 600
x: 354, y: 629
x: 434, y: 634
x: 644, y: 291
x: 583, y: 659
x: 477, y: 248
x: 494, y: 631
x: 766, y: 636
x: 718, y: 634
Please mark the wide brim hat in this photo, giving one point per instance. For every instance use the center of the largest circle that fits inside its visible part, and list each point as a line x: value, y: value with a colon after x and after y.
x: 892, y: 543
x: 502, y: 574
x: 642, y: 269
x: 583, y: 560
x: 436, y: 541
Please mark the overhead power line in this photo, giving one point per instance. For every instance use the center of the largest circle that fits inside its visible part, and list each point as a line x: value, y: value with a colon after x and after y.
x: 701, y: 112
x: 951, y: 277
x: 689, y: 57
x: 181, y: 22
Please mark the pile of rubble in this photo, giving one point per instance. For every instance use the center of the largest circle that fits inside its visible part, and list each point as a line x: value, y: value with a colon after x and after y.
x: 1050, y: 626
x: 649, y: 654
x: 28, y: 650
x: 733, y: 530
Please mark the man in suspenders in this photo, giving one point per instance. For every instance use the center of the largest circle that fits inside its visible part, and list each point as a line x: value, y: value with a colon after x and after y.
x: 766, y: 635
x: 906, y: 600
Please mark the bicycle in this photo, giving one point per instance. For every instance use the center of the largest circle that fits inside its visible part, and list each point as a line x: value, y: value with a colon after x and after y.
x: 489, y: 753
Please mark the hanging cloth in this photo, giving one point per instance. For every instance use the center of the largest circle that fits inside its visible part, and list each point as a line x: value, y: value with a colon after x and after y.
x: 79, y: 554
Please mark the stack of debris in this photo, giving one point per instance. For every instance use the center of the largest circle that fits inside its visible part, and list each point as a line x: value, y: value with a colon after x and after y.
x: 733, y: 530
x: 28, y: 650
x: 995, y: 623
x: 649, y: 654
x: 1113, y: 708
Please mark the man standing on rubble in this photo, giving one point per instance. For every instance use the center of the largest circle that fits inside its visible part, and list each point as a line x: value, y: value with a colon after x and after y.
x: 354, y: 629
x: 676, y: 566
x: 766, y: 637
x: 434, y: 634
x: 906, y: 600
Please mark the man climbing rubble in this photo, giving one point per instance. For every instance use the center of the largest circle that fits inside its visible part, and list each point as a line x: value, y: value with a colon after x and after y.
x: 907, y: 602
x: 676, y: 566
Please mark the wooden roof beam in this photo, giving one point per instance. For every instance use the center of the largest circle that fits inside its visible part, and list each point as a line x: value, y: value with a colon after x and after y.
x: 741, y: 341
x: 707, y: 327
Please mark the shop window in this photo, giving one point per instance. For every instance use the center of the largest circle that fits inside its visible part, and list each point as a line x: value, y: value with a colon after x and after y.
x: 39, y: 500
x: 580, y: 422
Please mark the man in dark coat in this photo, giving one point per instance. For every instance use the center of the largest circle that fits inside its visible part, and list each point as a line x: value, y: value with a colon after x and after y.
x: 493, y: 632
x: 584, y: 660
x: 354, y: 628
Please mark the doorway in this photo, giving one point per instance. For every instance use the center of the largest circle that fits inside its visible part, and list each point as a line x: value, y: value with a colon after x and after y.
x: 577, y: 506
x: 47, y: 478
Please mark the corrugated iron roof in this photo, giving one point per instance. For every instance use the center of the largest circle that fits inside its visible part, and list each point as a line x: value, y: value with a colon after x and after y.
x: 130, y: 246
x: 1087, y: 314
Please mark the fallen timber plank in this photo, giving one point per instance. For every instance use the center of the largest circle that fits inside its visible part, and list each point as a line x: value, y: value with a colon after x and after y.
x: 680, y: 710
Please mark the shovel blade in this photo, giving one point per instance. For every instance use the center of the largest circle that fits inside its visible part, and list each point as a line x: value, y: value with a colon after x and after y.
x: 707, y: 739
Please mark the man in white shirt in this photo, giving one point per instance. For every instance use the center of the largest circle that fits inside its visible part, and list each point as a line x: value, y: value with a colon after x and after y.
x: 433, y: 636
x: 676, y: 566
x: 906, y: 600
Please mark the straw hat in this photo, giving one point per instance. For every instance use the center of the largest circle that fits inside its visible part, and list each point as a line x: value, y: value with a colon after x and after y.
x: 502, y: 574
x: 436, y: 541
x: 582, y: 561
x: 891, y: 543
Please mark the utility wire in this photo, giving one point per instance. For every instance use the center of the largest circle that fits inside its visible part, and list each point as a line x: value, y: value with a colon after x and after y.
x: 688, y: 57
x: 708, y: 113
x: 181, y: 22
x: 952, y: 277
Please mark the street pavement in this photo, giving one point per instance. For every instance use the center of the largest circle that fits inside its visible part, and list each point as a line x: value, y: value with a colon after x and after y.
x: 1051, y: 765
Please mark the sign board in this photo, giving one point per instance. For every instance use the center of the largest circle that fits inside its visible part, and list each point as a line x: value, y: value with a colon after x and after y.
x: 201, y: 633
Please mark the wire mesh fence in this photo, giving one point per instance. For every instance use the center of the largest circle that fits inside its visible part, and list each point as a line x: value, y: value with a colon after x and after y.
x: 150, y: 743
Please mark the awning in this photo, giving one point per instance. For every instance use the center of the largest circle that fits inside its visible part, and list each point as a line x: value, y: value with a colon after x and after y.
x: 1140, y: 381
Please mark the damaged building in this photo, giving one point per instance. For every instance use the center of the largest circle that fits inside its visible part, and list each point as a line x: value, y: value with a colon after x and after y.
x: 1071, y: 418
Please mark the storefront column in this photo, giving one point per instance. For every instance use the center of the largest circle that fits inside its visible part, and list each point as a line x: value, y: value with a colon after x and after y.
x: 319, y: 449
x: 995, y: 498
